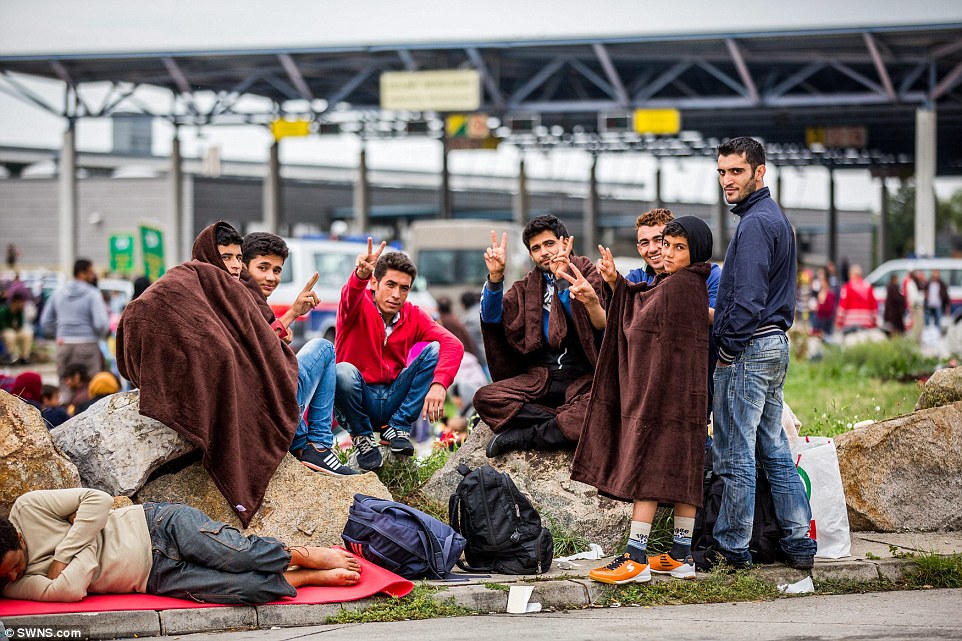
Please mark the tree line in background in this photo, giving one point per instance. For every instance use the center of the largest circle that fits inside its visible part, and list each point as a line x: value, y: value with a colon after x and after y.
x: 901, y: 223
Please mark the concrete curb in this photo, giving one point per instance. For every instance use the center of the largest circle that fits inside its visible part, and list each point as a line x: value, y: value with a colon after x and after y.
x: 562, y: 591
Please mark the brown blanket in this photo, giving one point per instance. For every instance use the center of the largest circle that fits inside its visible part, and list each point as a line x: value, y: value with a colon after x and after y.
x: 644, y: 436
x: 199, y: 345
x: 511, y: 346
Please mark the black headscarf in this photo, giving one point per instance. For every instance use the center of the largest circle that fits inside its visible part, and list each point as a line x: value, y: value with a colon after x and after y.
x: 699, y: 238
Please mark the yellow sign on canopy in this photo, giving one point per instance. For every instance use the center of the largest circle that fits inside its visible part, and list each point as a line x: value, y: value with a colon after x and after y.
x: 288, y: 128
x: 657, y: 121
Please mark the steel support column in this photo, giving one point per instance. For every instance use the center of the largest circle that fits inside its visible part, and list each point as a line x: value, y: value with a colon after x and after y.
x: 521, y: 200
x: 659, y: 201
x: 445, y: 211
x: 883, y: 223
x: 362, y: 196
x: 272, y: 190
x: 925, y: 131
x: 68, y: 199
x: 590, y: 230
x: 176, y: 177
x: 720, y: 243
x: 832, y: 219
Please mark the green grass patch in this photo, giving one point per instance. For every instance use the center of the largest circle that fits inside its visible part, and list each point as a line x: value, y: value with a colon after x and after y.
x: 829, y: 400
x: 404, y: 478
x: 935, y: 571
x: 500, y: 587
x: 421, y: 603
x: 566, y: 542
x: 717, y: 587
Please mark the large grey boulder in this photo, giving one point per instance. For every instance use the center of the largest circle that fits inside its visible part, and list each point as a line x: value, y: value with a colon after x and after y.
x: 114, y: 447
x: 29, y: 460
x: 942, y: 388
x: 545, y: 478
x: 301, y: 507
x: 904, y: 473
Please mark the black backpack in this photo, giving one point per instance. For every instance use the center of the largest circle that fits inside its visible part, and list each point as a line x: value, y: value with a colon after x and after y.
x: 503, y: 531
x: 764, y: 544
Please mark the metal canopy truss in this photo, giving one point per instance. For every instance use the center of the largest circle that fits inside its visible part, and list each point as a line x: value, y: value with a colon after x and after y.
x: 772, y: 85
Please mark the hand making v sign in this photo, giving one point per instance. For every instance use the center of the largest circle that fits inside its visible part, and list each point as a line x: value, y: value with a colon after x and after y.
x: 366, y: 262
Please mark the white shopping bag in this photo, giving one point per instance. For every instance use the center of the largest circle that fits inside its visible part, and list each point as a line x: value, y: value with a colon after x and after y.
x: 816, y: 460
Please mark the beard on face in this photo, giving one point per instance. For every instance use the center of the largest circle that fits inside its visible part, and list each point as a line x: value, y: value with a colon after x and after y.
x: 744, y: 193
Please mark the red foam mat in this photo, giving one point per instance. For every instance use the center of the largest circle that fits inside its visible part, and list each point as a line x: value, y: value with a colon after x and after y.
x: 374, y: 580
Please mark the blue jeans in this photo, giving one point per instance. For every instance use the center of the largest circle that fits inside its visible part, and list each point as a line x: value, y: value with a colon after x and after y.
x: 196, y: 557
x: 933, y: 314
x: 315, y: 394
x: 748, y: 423
x: 359, y: 406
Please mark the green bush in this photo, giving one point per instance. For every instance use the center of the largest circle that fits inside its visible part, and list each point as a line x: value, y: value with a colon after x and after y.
x: 894, y: 359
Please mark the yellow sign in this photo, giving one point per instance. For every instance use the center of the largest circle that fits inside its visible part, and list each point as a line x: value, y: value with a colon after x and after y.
x: 836, y: 137
x: 657, y: 121
x: 446, y: 90
x: 474, y: 126
x: 289, y: 128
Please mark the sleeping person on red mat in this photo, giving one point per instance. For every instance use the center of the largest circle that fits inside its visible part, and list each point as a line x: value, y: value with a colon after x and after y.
x: 60, y: 545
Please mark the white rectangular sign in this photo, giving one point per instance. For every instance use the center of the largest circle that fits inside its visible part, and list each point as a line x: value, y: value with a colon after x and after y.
x: 445, y: 90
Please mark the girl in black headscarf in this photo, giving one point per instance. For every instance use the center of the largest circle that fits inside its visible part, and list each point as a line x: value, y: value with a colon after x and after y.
x: 644, y: 437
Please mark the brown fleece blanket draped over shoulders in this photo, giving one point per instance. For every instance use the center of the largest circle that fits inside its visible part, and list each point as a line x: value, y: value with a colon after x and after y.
x: 520, y: 334
x: 644, y: 435
x: 199, y: 345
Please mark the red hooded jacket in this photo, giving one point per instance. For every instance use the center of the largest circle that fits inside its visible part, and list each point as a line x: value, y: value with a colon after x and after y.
x: 362, y: 341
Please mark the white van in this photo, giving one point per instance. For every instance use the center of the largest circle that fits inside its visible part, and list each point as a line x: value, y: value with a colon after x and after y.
x: 333, y: 260
x: 950, y: 270
x: 449, y: 254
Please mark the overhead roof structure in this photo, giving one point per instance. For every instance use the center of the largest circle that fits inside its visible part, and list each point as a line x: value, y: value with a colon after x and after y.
x: 774, y: 85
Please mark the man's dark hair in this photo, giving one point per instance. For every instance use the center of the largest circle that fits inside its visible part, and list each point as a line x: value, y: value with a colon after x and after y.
x: 228, y: 236
x: 49, y: 391
x: 674, y: 228
x: 80, y: 266
x: 19, y: 295
x: 744, y: 146
x: 76, y: 368
x: 540, y: 224
x: 9, y: 540
x: 469, y: 299
x: 395, y: 260
x: 261, y: 243
x: 445, y: 305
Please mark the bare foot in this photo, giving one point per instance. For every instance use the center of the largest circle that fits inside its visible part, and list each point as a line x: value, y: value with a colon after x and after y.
x: 339, y: 576
x: 317, y: 558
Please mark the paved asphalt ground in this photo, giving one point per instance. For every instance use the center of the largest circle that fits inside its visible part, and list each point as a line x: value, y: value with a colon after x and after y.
x: 931, y: 614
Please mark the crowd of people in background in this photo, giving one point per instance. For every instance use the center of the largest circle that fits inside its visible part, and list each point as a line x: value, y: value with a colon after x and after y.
x: 839, y: 304
x: 73, y: 317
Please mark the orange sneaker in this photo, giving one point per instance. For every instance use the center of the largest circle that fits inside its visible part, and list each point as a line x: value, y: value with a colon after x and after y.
x: 665, y: 564
x: 623, y: 569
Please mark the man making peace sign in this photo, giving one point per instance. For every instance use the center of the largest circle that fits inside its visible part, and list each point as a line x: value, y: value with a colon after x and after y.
x: 541, y: 338
x: 376, y: 329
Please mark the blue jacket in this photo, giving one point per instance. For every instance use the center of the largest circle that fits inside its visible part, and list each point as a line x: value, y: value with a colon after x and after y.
x: 756, y: 294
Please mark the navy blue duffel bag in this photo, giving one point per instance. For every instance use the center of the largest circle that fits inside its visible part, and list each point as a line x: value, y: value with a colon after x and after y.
x: 401, y: 539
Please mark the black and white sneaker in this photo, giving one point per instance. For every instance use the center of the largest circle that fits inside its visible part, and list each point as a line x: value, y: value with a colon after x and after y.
x: 400, y: 442
x: 322, y: 459
x: 368, y: 454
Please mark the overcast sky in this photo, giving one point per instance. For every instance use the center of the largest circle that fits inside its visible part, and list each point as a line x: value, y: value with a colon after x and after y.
x: 71, y: 26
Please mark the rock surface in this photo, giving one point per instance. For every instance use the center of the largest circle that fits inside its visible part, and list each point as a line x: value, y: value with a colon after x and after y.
x: 300, y: 507
x: 114, y: 447
x: 943, y: 388
x: 545, y: 478
x: 904, y: 473
x: 29, y: 460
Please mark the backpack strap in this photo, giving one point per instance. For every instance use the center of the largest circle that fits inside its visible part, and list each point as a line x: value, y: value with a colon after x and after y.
x: 434, y: 550
x: 463, y: 469
x: 454, y: 512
